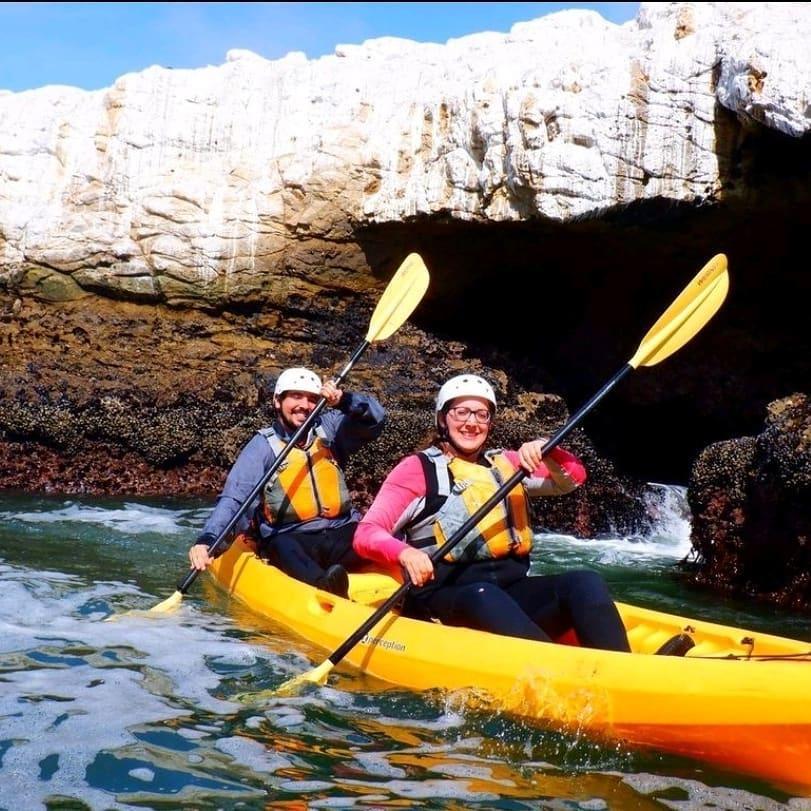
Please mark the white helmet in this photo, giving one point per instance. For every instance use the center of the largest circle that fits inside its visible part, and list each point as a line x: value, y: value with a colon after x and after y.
x: 465, y: 386
x: 297, y: 379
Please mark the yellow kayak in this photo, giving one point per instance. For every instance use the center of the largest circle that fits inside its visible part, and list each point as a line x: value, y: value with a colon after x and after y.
x: 738, y: 699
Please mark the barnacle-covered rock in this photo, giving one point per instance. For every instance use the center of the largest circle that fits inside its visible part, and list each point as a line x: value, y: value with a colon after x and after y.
x: 751, y: 503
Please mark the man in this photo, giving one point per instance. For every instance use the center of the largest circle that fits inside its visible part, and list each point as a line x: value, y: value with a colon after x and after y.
x: 304, y: 516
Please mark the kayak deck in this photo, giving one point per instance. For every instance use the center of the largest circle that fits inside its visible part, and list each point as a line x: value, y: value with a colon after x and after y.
x: 737, y: 699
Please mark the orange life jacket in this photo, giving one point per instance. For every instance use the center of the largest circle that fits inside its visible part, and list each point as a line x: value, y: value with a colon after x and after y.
x: 309, y: 483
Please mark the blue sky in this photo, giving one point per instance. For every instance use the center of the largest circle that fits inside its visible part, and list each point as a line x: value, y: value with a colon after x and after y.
x: 90, y: 45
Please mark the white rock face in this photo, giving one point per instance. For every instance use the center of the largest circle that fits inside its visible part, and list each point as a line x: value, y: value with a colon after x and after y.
x: 194, y: 184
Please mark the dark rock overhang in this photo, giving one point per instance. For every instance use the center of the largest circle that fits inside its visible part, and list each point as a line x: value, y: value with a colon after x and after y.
x: 562, y: 306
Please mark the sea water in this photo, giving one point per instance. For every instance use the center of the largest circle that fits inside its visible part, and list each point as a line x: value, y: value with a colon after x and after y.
x: 140, y: 712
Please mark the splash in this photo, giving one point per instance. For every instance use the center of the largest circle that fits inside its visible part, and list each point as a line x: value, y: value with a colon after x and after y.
x: 667, y: 541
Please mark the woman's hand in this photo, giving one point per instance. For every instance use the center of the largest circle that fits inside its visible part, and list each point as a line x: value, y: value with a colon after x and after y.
x: 199, y: 557
x: 417, y: 564
x: 530, y: 454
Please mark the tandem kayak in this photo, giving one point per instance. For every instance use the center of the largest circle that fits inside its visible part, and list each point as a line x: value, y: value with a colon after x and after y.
x: 738, y: 699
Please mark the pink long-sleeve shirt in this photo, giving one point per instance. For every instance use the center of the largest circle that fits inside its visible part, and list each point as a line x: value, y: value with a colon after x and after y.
x: 560, y: 473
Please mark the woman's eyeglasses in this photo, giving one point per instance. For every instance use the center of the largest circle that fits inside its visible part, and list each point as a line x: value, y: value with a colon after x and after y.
x: 463, y: 414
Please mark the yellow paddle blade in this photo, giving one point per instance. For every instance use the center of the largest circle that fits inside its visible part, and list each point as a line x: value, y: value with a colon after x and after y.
x: 694, y: 307
x: 399, y: 299
x: 170, y: 604
x: 318, y: 675
x: 255, y: 698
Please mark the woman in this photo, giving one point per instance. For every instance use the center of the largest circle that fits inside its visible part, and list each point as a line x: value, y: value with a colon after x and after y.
x: 484, y: 581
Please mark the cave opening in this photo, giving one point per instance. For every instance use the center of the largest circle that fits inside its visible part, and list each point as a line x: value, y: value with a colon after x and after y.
x: 562, y: 306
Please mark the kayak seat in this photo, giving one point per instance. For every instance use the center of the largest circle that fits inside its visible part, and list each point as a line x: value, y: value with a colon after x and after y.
x: 649, y: 638
x: 677, y: 645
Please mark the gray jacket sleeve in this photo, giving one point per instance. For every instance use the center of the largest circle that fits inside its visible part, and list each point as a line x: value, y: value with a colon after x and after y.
x: 358, y: 419
x: 251, y: 465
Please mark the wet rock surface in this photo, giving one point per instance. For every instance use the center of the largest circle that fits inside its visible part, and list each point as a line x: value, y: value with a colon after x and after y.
x: 99, y: 396
x: 106, y: 397
x: 751, y: 504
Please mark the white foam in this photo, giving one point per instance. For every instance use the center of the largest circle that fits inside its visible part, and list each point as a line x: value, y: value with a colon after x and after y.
x: 130, y: 518
x: 479, y: 772
x: 376, y: 763
x: 669, y: 509
x: 192, y: 734
x: 253, y: 755
x: 303, y: 786
x: 667, y: 541
x: 286, y: 721
x: 429, y: 789
x: 610, y: 551
x: 67, y: 713
x: 75, y: 686
x: 147, y: 775
x: 700, y: 796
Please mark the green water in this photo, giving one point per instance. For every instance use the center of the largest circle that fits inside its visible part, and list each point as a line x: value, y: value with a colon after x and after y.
x: 139, y: 713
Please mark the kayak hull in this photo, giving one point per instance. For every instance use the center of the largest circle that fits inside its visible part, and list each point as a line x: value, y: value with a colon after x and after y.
x: 721, y: 703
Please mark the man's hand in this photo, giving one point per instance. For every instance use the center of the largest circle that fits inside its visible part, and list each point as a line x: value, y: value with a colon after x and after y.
x: 331, y: 393
x: 199, y: 557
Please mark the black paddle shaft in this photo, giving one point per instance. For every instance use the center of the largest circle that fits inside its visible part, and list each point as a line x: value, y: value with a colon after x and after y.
x: 474, y: 519
x: 184, y: 584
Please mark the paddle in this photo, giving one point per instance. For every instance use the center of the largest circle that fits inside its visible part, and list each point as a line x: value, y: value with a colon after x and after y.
x: 403, y: 293
x: 693, y: 308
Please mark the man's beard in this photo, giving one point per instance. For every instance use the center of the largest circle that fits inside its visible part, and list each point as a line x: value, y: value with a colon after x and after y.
x: 289, y: 426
